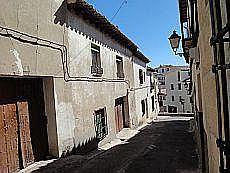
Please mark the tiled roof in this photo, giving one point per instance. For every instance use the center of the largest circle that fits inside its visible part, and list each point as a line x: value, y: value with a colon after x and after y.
x: 90, y: 14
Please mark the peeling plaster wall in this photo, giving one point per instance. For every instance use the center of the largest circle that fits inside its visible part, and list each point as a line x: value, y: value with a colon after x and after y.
x: 140, y: 91
x: 75, y: 102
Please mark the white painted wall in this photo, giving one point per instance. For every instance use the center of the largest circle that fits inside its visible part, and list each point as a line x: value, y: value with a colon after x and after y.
x: 172, y: 78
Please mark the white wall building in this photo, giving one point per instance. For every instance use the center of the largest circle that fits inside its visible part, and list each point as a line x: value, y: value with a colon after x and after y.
x: 76, y: 78
x: 177, y: 99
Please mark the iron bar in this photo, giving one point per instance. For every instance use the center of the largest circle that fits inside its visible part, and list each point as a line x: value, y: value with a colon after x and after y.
x: 217, y: 84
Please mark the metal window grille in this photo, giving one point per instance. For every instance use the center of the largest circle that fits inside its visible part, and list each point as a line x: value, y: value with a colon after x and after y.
x: 100, y: 121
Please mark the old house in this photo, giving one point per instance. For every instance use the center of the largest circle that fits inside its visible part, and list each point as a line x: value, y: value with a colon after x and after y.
x: 173, y: 95
x: 69, y: 81
x: 152, y: 93
x: 177, y: 98
x: 205, y: 41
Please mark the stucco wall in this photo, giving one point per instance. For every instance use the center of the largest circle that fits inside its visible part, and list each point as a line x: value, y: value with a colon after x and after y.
x: 172, y: 78
x: 140, y: 90
x: 75, y: 101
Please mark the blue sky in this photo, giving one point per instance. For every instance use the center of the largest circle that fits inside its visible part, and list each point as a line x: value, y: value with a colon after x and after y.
x: 148, y: 23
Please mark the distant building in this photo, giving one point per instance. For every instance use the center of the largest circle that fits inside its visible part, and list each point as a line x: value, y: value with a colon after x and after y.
x: 152, y: 93
x: 173, y: 96
x: 177, y: 98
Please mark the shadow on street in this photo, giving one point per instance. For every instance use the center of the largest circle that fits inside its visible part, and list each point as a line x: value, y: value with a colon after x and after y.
x: 160, y: 147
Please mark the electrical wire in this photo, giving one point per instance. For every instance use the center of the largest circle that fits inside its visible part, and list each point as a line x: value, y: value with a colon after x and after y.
x: 122, y: 4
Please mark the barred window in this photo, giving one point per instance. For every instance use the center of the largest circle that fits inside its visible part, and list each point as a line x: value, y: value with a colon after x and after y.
x: 100, y: 121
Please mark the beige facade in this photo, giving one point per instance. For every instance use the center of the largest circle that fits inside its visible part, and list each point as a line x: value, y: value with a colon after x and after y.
x: 211, y: 98
x: 52, y: 44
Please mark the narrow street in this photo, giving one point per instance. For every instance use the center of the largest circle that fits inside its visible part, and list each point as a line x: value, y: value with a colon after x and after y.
x: 164, y: 146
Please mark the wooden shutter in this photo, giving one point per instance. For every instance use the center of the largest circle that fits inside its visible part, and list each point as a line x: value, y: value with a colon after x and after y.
x: 9, y: 159
x: 26, y: 146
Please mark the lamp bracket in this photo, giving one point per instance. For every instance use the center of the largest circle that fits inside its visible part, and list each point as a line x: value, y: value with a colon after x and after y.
x: 215, y: 68
x: 178, y: 53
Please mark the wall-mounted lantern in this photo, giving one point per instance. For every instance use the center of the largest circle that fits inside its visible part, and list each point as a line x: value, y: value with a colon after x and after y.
x: 174, y: 40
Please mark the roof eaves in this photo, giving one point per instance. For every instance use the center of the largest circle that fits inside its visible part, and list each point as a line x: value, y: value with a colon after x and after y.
x: 141, y: 56
x: 101, y: 21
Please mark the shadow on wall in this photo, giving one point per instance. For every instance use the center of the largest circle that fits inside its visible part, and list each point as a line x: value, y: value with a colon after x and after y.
x: 161, y: 146
x: 64, y: 16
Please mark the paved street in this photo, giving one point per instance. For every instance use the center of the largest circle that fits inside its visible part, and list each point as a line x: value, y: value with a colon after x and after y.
x: 160, y: 147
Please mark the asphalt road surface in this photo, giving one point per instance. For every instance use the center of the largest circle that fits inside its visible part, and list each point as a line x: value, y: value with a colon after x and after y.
x: 160, y: 147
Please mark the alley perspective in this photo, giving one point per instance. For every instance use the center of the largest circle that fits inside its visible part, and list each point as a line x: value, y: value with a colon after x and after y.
x: 79, y: 95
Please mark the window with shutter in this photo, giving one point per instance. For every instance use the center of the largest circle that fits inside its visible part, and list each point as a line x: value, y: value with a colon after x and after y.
x: 120, y: 70
x: 141, y: 76
x: 96, y: 60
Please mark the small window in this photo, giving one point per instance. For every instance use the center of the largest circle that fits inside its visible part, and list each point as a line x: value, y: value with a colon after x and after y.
x: 100, y: 121
x: 153, y: 103
x: 178, y: 75
x: 144, y: 76
x: 191, y: 99
x: 167, y: 69
x: 172, y: 87
x: 179, y: 86
x: 96, y: 60
x: 143, y: 107
x: 141, y: 76
x: 120, y: 70
x: 180, y: 98
x: 173, y: 99
x: 163, y: 70
x: 164, y: 98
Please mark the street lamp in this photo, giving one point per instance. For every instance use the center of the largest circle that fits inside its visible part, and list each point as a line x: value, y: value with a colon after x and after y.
x: 174, y: 40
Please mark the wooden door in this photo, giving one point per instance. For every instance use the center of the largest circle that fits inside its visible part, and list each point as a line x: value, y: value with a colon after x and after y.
x: 9, y: 161
x: 25, y: 139
x: 119, y: 116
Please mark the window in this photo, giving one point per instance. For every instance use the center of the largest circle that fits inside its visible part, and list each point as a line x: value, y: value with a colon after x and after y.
x: 100, y: 121
x: 163, y: 70
x: 143, y: 107
x: 153, y: 103
x: 144, y: 76
x: 151, y: 83
x: 162, y: 83
x: 172, y: 87
x: 173, y: 99
x: 180, y: 98
x: 141, y: 76
x: 179, y: 86
x: 167, y: 69
x: 178, y: 75
x: 96, y: 60
x: 164, y: 98
x: 191, y: 99
x: 120, y: 70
